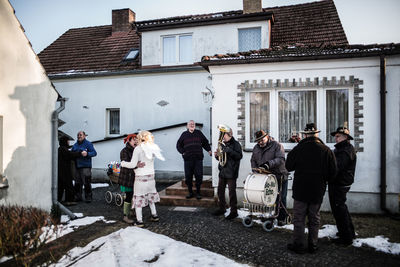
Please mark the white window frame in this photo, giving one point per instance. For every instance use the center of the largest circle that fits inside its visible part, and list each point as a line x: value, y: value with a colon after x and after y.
x: 177, y: 50
x: 320, y: 107
x: 108, y: 114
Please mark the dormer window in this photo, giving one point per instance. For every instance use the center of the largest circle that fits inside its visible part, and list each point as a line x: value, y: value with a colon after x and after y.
x: 132, y: 54
x: 177, y: 49
x: 249, y: 39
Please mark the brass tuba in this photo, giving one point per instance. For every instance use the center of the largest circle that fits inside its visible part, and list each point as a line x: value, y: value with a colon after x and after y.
x: 220, y: 154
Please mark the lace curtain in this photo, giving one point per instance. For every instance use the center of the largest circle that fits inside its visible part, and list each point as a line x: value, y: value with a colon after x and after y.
x: 337, y: 111
x: 249, y: 39
x: 169, y: 55
x: 185, y: 49
x: 296, y: 109
x: 259, y: 113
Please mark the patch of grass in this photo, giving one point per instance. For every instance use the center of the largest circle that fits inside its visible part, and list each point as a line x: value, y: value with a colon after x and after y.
x: 20, y: 231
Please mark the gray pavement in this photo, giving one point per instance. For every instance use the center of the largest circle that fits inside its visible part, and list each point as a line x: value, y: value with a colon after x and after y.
x: 253, y: 245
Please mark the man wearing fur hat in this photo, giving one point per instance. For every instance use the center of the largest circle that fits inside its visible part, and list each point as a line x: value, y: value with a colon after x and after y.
x: 346, y: 164
x: 314, y: 165
x: 270, y: 155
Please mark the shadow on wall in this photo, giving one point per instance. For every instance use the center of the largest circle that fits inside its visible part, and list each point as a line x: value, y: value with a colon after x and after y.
x: 29, y: 171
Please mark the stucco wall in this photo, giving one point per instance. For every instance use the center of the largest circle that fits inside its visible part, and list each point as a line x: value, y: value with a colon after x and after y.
x: 27, y: 101
x: 367, y: 181
x: 206, y: 40
x: 137, y: 97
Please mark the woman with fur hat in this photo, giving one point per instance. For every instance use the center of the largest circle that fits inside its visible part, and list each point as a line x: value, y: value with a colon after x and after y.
x: 144, y: 189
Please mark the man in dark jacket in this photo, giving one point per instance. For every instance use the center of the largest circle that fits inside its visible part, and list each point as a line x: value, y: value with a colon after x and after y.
x: 190, y: 144
x: 228, y: 174
x: 84, y: 166
x: 346, y: 159
x: 314, y: 165
x: 270, y: 155
x: 65, y: 158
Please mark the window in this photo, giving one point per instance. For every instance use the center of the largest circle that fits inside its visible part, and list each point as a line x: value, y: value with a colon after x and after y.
x: 177, y: 49
x: 113, y: 121
x: 337, y: 111
x: 132, y: 54
x: 249, y: 39
x: 284, y: 112
x: 259, y: 113
x: 296, y: 109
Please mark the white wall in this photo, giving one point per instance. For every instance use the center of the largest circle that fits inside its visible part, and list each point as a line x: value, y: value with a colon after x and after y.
x: 27, y: 101
x: 367, y: 180
x: 206, y: 40
x: 137, y: 97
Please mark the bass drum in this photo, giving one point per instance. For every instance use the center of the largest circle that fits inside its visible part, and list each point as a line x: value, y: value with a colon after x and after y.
x: 261, y: 189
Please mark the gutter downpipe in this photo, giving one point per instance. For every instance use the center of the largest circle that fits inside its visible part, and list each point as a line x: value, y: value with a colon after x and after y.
x: 383, y: 93
x: 54, y: 164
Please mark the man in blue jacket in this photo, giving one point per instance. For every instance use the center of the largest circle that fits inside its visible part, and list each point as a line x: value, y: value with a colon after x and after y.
x: 84, y: 167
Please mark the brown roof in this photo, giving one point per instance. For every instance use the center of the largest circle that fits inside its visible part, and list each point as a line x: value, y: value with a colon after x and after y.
x: 90, y: 49
x: 301, y: 52
x: 96, y: 49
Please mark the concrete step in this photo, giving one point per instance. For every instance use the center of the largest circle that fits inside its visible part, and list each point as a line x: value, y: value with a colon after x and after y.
x: 177, y: 200
x: 207, y: 183
x: 179, y: 190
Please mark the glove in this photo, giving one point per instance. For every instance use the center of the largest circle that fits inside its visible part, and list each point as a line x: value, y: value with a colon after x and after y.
x: 265, y: 166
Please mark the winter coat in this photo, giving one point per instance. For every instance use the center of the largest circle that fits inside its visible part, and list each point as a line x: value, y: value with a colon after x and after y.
x: 126, y: 176
x: 314, y: 164
x: 346, y: 160
x: 191, y: 145
x: 145, y: 152
x: 234, y: 154
x: 84, y: 162
x: 65, y: 158
x: 272, y: 153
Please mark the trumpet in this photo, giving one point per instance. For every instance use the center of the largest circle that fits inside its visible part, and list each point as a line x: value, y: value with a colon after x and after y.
x: 220, y: 154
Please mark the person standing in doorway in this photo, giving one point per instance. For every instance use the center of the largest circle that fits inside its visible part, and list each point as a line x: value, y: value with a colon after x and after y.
x: 346, y: 160
x: 314, y: 165
x: 84, y: 167
x: 191, y: 144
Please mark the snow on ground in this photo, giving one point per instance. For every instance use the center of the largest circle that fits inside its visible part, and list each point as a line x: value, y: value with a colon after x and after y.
x: 50, y: 233
x: 100, y: 185
x: 134, y: 246
x: 379, y: 243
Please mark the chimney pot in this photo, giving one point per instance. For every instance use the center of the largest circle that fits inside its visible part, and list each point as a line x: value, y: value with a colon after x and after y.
x: 252, y: 6
x: 122, y: 20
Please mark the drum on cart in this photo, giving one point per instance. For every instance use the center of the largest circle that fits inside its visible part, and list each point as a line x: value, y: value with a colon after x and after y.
x: 261, y: 189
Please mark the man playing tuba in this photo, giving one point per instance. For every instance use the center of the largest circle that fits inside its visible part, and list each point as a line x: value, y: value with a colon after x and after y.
x: 229, y: 154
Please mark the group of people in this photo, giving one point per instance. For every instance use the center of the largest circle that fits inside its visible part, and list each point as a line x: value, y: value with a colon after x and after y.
x: 314, y: 164
x: 73, y: 177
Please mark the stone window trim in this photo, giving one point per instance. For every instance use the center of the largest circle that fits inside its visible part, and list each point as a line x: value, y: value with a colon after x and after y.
x: 355, y: 83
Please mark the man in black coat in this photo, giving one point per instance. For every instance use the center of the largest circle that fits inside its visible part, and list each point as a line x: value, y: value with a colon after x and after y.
x: 314, y: 165
x: 228, y: 174
x: 346, y: 159
x: 65, y: 157
x: 191, y: 144
x: 270, y: 155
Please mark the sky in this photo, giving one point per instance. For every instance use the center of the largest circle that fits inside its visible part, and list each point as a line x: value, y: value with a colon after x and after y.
x: 364, y: 21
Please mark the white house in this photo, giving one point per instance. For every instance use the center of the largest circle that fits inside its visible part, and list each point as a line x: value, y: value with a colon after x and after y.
x: 28, y: 100
x: 283, y: 88
x: 135, y: 75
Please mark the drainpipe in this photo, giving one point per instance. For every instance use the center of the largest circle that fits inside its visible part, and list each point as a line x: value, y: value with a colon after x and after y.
x: 54, y: 164
x: 383, y: 93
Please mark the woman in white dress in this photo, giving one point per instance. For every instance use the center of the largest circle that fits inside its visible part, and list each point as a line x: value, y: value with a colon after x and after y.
x: 144, y: 189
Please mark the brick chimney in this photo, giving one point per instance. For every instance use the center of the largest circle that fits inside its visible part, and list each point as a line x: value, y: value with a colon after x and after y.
x: 252, y: 6
x: 122, y: 20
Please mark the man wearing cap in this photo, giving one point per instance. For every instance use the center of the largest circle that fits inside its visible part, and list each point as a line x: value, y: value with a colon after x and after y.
x: 314, y: 165
x: 84, y: 166
x: 228, y: 174
x: 346, y: 159
x: 270, y: 155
